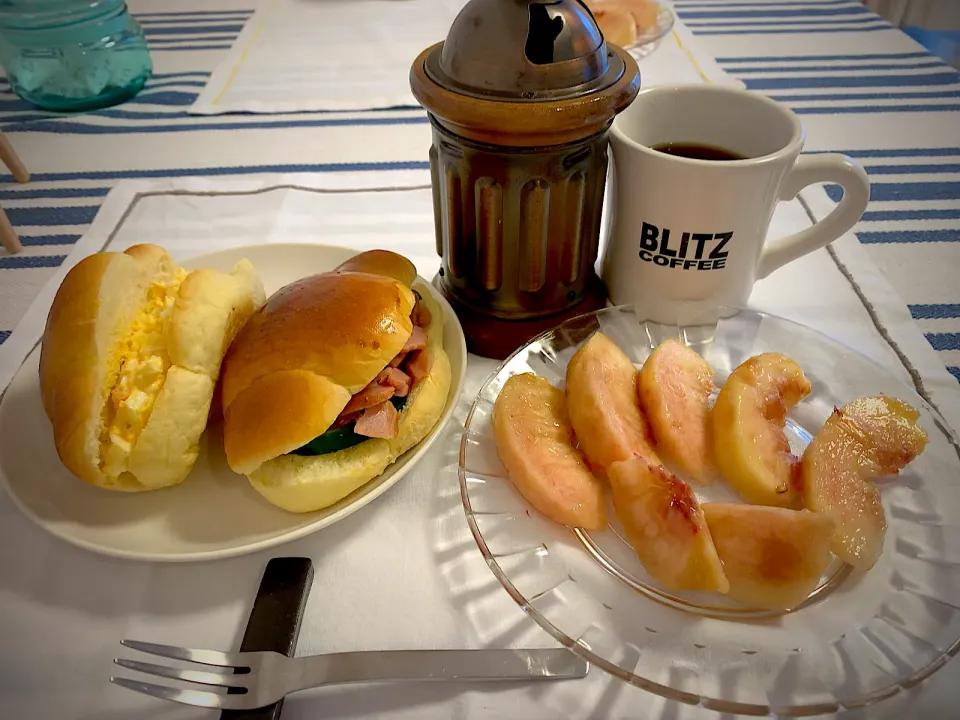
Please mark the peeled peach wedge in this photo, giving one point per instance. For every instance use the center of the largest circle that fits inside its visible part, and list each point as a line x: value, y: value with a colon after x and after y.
x: 674, y: 387
x: 748, y: 417
x: 616, y: 23
x: 772, y: 557
x: 535, y: 444
x: 666, y: 527
x: 612, y: 17
x: 869, y: 438
x: 601, y: 388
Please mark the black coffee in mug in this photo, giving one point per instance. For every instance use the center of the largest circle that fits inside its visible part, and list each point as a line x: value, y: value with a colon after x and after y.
x: 696, y: 151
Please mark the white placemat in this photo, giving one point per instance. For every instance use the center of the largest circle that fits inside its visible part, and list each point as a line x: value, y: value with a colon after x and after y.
x: 402, y: 573
x: 679, y: 59
x: 296, y: 55
x: 332, y: 55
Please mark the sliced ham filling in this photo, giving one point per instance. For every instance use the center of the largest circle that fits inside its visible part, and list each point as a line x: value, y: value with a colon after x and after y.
x: 371, y: 408
x: 372, y: 395
x: 421, y: 314
x: 418, y: 365
x: 397, y: 379
x: 417, y: 341
x: 381, y: 421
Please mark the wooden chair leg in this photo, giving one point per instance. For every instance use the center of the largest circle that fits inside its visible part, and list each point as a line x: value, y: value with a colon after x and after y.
x: 10, y: 158
x: 8, y: 236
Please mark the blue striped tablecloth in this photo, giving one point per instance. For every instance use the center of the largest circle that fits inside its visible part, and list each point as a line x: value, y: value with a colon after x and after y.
x: 861, y: 86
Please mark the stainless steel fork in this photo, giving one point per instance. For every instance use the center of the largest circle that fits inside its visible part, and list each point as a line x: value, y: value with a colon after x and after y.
x: 248, y: 680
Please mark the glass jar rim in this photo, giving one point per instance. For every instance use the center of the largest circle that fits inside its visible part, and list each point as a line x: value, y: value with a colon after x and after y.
x: 43, y: 15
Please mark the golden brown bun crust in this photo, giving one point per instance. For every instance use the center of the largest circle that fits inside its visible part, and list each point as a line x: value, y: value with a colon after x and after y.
x: 382, y: 262
x: 308, y: 403
x: 343, y: 327
x: 79, y: 292
x: 68, y: 369
x: 92, y: 309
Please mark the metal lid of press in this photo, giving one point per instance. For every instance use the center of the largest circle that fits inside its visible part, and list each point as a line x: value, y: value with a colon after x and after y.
x: 524, y: 50
x: 524, y: 73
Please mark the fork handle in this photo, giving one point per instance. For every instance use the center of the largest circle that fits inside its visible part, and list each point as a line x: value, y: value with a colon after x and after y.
x: 275, y: 619
x: 467, y: 665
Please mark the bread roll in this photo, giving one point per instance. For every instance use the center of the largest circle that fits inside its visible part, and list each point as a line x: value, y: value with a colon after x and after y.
x: 304, y: 484
x: 130, y: 356
x: 298, y: 361
x: 616, y: 23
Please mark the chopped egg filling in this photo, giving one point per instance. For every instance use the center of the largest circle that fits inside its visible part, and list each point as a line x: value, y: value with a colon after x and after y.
x: 143, y: 365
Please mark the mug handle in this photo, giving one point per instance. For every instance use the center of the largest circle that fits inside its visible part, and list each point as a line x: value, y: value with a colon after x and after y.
x: 810, y: 169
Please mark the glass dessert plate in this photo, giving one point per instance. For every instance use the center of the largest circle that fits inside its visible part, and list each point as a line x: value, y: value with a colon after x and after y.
x: 858, y: 639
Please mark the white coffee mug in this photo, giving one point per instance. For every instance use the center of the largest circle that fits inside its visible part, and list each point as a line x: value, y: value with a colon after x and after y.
x: 693, y: 231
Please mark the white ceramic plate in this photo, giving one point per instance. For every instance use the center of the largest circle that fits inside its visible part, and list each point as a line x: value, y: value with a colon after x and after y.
x: 214, y: 513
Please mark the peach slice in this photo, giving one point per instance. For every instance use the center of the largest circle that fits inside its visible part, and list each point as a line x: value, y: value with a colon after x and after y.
x: 666, y: 527
x: 602, y: 397
x: 612, y: 15
x: 748, y: 417
x: 535, y: 444
x: 772, y: 557
x: 869, y: 438
x: 645, y: 14
x: 615, y: 22
x: 674, y: 388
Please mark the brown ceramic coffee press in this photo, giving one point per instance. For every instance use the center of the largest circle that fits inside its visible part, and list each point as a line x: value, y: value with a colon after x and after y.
x: 520, y: 95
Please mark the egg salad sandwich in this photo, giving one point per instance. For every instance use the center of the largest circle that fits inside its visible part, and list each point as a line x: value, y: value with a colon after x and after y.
x: 130, y: 357
x: 332, y: 380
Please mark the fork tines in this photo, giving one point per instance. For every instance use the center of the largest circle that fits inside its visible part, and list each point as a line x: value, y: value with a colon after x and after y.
x: 225, y: 689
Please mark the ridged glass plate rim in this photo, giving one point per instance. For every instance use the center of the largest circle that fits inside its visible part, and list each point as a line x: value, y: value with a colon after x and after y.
x: 665, y: 691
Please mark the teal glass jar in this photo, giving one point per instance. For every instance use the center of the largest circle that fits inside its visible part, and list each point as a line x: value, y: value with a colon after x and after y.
x: 72, y: 54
